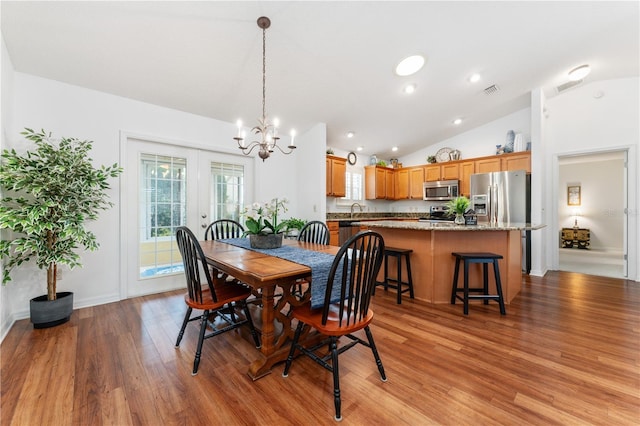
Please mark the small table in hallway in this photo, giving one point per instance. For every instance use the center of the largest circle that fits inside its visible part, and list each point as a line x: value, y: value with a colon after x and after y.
x: 263, y: 273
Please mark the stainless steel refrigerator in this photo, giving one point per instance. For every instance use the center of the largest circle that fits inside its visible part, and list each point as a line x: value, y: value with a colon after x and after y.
x: 505, y: 198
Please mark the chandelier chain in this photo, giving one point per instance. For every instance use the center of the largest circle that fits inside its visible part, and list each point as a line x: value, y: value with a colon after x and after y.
x: 268, y: 132
x: 264, y: 71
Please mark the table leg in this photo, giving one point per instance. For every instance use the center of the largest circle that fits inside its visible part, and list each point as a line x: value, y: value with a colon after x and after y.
x: 275, y: 341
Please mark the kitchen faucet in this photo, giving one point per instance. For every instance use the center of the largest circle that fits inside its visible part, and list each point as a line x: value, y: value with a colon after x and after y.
x: 352, y: 206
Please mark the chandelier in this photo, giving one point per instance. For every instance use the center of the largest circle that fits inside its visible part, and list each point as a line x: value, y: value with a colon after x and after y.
x: 267, y: 131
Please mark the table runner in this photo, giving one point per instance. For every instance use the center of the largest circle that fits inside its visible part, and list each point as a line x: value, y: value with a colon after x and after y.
x: 319, y: 263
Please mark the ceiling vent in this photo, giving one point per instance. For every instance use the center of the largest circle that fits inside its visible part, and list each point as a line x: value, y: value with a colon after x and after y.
x: 491, y: 89
x: 568, y: 85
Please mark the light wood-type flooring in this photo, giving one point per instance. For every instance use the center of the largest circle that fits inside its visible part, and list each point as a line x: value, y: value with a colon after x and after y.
x: 566, y: 353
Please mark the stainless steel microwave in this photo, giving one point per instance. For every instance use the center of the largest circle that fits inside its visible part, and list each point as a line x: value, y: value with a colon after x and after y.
x: 440, y: 190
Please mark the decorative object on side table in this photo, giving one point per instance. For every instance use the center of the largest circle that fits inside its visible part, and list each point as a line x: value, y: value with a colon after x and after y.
x: 262, y: 224
x: 458, y: 207
x: 54, y: 190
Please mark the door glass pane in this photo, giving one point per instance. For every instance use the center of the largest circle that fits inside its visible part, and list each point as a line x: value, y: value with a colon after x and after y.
x: 162, y: 209
x: 227, y: 191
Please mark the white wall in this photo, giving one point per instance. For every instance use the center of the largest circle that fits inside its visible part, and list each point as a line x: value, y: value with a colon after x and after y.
x: 601, y: 183
x: 598, y: 117
x: 86, y: 114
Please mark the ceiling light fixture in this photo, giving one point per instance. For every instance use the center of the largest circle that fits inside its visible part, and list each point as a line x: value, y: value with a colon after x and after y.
x: 474, y: 78
x: 360, y: 148
x: 268, y: 131
x: 457, y: 121
x: 394, y: 149
x: 410, y: 65
x: 409, y: 88
x: 350, y: 134
x: 579, y: 73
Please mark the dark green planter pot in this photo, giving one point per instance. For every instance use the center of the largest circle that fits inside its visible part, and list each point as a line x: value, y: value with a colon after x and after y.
x: 49, y: 313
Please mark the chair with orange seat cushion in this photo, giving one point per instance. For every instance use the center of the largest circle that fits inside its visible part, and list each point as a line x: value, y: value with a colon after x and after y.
x: 209, y: 295
x: 343, y: 312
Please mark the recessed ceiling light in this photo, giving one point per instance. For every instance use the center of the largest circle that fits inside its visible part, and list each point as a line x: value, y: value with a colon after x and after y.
x: 350, y: 134
x: 409, y: 88
x: 394, y: 149
x: 474, y: 78
x: 457, y: 121
x: 410, y: 65
x: 359, y: 148
x: 579, y: 73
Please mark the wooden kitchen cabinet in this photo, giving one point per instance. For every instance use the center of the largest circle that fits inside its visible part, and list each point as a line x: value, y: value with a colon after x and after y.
x: 431, y: 173
x: 336, y: 178
x: 334, y: 232
x: 488, y: 164
x: 467, y: 168
x: 378, y: 183
x: 516, y: 161
x: 416, y: 179
x: 408, y: 183
x: 444, y: 171
x: 401, y: 183
x: 450, y: 171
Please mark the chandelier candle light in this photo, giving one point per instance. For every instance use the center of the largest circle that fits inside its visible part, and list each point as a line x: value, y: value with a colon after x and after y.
x: 268, y: 131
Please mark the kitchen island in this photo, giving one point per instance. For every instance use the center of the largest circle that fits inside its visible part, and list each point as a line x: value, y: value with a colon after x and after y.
x: 432, y: 264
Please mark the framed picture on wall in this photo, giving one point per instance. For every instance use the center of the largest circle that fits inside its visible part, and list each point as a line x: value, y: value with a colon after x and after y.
x: 573, y: 195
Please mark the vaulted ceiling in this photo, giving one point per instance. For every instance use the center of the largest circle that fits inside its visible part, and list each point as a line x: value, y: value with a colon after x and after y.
x: 330, y: 62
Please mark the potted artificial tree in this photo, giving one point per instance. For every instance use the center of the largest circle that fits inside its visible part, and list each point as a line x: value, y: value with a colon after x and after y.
x: 48, y: 196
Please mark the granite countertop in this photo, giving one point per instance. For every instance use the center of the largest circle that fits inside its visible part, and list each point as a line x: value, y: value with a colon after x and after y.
x: 337, y: 217
x: 448, y: 226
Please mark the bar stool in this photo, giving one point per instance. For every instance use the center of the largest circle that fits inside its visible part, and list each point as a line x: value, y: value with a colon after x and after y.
x: 399, y: 254
x: 484, y: 259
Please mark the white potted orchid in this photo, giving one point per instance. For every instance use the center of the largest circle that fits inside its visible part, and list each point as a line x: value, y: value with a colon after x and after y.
x: 262, y: 223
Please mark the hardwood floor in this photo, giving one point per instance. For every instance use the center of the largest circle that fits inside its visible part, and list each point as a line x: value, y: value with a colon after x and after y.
x: 566, y: 353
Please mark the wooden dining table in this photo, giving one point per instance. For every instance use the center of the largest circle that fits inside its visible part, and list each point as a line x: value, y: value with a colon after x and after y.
x: 271, y: 279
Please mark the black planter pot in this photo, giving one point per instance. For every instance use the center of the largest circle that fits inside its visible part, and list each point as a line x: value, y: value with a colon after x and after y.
x: 49, y: 313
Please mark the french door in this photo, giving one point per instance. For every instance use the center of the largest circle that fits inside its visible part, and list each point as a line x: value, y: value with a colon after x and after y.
x: 167, y: 186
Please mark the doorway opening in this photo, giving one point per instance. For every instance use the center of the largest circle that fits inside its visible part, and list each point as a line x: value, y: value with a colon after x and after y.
x: 591, y: 211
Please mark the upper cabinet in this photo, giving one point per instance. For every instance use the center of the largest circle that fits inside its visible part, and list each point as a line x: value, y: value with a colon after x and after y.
x: 408, y: 183
x: 467, y: 168
x: 336, y: 176
x: 516, y: 161
x: 443, y: 171
x: 379, y: 183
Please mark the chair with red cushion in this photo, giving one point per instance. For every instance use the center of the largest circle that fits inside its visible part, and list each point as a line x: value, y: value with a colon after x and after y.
x: 353, y: 272
x: 211, y: 295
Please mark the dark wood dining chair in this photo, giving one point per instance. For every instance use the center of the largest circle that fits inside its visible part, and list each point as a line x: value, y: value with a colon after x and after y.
x: 314, y: 232
x: 354, y: 272
x: 210, y: 295
x: 223, y: 228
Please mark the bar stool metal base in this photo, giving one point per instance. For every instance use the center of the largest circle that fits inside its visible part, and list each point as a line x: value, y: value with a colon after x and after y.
x: 397, y: 283
x: 484, y: 259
